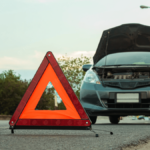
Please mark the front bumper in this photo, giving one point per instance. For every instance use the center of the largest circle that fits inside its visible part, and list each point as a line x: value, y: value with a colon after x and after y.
x: 91, y: 96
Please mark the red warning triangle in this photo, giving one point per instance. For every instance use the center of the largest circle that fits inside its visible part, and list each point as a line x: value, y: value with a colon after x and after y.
x: 26, y: 116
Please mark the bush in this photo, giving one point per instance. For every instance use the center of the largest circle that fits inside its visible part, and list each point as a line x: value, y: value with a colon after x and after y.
x: 12, y: 90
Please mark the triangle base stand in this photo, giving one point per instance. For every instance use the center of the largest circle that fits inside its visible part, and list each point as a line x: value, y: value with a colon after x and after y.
x: 51, y: 127
x: 12, y: 128
x: 56, y: 128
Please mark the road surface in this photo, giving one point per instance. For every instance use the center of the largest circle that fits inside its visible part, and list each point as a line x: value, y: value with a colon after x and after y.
x: 127, y: 132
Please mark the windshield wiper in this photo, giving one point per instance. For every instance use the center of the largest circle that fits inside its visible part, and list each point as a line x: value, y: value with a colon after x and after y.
x: 111, y: 65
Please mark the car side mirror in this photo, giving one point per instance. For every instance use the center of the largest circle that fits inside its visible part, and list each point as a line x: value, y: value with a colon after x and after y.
x: 86, y: 67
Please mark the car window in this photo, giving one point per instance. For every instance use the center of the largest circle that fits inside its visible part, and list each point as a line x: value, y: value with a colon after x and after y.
x: 141, y: 58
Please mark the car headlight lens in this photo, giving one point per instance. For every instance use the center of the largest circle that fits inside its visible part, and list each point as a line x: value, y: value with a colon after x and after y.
x: 91, y: 77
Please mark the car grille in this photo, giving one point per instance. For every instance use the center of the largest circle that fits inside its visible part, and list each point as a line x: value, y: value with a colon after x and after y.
x: 127, y: 85
x: 143, y: 83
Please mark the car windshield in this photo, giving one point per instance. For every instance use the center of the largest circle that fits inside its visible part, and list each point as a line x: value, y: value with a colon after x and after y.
x: 125, y: 58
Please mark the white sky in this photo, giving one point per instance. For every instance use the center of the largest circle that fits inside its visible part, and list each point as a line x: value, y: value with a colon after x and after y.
x: 30, y: 28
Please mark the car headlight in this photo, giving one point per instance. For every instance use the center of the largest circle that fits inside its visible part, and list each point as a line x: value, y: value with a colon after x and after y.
x: 91, y: 77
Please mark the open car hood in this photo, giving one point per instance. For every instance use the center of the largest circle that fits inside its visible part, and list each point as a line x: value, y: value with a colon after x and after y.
x: 124, y: 38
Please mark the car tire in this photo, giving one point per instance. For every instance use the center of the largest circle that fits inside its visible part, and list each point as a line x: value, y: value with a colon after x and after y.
x: 114, y: 119
x: 93, y: 119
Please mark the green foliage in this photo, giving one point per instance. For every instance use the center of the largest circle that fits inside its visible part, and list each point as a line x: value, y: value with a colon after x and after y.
x: 12, y: 88
x: 72, y: 68
x: 61, y: 106
x: 11, y: 91
x: 47, y: 100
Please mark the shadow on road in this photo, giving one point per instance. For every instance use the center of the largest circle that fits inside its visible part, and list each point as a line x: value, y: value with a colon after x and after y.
x: 52, y: 135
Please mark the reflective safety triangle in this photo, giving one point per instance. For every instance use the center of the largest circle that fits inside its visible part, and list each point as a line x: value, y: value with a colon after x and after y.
x: 26, y: 115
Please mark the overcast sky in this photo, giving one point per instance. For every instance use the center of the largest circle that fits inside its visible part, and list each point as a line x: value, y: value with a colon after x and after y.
x: 30, y: 28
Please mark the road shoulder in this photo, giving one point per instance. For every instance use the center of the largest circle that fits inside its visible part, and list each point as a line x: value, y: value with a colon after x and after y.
x: 143, y: 145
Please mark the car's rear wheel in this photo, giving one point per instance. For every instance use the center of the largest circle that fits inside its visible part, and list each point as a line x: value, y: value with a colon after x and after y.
x: 93, y: 119
x: 114, y: 119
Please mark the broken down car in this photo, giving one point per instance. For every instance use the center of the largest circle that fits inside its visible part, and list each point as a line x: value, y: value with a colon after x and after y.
x: 118, y: 82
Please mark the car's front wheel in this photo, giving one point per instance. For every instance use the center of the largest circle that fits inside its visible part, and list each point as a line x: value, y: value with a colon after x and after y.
x: 93, y: 119
x: 114, y: 119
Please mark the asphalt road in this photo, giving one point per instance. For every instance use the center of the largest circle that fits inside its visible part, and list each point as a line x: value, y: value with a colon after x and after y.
x: 127, y: 132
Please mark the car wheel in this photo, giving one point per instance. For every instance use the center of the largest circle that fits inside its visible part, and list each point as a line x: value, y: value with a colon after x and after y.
x: 114, y: 119
x: 93, y: 119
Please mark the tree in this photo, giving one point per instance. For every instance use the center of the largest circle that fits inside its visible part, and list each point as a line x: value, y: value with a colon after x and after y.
x: 11, y: 91
x: 47, y: 100
x: 72, y: 68
x: 61, y: 106
x: 12, y: 88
